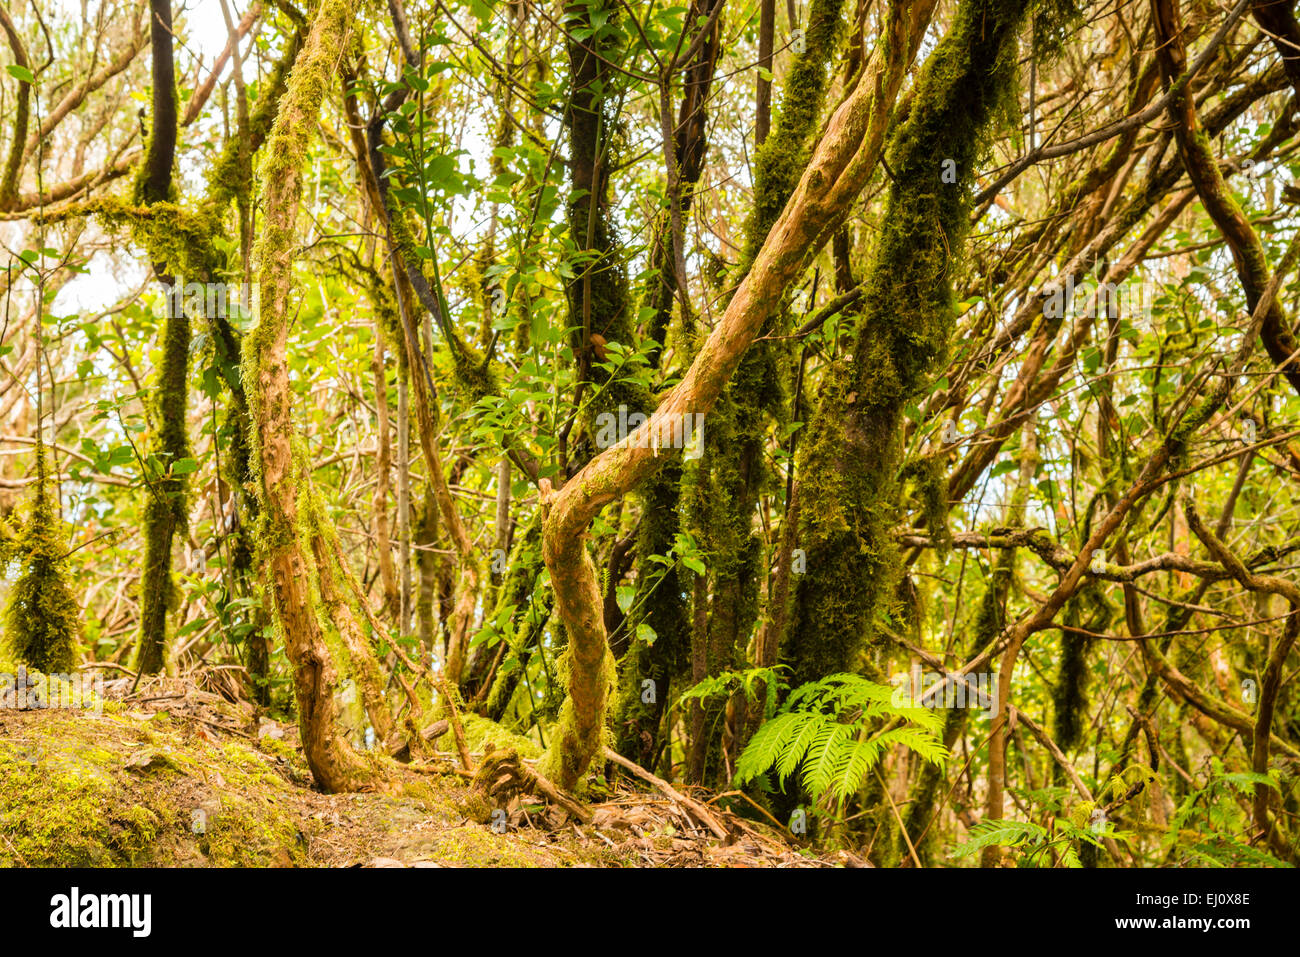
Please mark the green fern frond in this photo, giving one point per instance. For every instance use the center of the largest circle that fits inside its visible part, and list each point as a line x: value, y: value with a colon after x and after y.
x: 764, y: 747
x: 822, y: 758
x: 1002, y: 834
x: 858, y: 759
x: 921, y: 741
x: 804, y: 733
x: 833, y: 732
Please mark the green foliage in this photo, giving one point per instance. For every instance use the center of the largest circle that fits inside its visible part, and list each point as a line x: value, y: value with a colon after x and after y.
x: 1038, y: 845
x: 833, y: 732
x: 1067, y: 836
x: 749, y: 681
x: 528, y: 186
x: 1209, y: 826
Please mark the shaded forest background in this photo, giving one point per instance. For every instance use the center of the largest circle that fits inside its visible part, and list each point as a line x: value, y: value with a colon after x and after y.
x: 881, y: 413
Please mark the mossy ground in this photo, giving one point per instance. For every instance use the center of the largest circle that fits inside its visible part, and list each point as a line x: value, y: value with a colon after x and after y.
x: 127, y: 788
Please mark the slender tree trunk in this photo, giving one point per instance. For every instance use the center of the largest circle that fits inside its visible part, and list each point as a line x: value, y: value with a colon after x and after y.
x: 165, y: 510
x: 333, y: 762
x: 383, y: 470
x: 763, y: 91
x: 404, y: 501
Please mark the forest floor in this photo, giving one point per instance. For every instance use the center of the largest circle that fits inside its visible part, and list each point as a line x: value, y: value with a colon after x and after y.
x: 172, y: 775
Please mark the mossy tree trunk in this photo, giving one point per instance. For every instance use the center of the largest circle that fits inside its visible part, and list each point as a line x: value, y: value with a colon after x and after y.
x: 852, y: 454
x: 333, y: 762
x: 22, y: 114
x: 726, y: 496
x: 597, y: 293
x: 231, y: 178
x: 663, y: 606
x: 661, y: 594
x: 165, y: 510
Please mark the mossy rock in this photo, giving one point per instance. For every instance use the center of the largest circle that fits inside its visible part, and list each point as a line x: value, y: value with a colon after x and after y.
x: 118, y: 790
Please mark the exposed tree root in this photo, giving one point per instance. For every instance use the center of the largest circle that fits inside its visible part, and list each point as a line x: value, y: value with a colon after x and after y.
x: 502, y: 775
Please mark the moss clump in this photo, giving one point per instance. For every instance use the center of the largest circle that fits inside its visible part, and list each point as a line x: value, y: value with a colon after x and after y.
x: 126, y: 791
x: 81, y: 791
x: 177, y: 240
x: 62, y: 804
x: 473, y: 372
x: 475, y: 845
x: 63, y: 813
x: 42, y: 618
x: 243, y: 834
x: 481, y: 731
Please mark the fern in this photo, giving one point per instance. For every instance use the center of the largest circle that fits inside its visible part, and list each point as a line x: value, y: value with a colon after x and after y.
x: 1003, y: 834
x: 1207, y: 825
x: 751, y: 681
x: 833, y: 732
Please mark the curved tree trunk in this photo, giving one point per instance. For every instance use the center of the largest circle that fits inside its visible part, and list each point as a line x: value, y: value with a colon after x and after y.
x: 848, y: 151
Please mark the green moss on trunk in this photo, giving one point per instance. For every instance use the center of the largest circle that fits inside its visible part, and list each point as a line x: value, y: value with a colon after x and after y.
x: 165, y: 512
x: 722, y: 504
x: 851, y: 458
x: 661, y: 604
